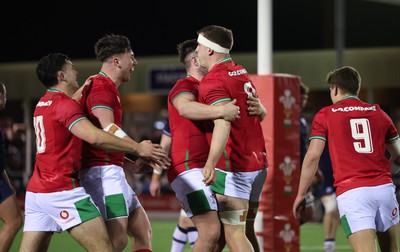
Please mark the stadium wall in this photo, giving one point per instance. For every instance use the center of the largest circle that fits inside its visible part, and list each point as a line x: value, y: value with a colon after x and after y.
x: 377, y: 66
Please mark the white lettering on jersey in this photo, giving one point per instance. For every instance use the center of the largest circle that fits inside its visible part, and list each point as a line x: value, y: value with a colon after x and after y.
x: 44, y: 104
x: 237, y: 72
x: 354, y: 108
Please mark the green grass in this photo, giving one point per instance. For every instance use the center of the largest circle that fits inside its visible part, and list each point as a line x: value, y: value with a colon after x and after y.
x: 311, y: 239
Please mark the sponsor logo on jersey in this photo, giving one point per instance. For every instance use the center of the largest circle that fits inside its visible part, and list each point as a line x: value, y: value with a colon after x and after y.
x: 44, y: 104
x: 354, y: 108
x: 237, y: 72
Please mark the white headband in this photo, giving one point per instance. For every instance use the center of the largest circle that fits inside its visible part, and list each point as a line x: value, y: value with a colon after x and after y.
x: 214, y: 46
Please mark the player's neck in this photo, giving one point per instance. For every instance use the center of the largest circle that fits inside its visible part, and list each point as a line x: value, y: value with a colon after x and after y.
x: 218, y: 58
x: 110, y: 73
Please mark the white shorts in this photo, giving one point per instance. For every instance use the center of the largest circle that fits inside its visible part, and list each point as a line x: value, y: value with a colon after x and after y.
x: 372, y: 207
x: 58, y: 211
x: 244, y: 185
x: 109, y: 190
x: 183, y: 213
x: 196, y: 198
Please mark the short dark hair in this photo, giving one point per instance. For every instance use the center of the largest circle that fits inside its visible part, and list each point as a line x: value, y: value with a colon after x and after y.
x: 185, y: 48
x: 48, y: 66
x: 111, y: 44
x: 346, y: 78
x: 218, y: 34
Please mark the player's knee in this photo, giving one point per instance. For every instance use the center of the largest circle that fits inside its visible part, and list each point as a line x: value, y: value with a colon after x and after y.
x: 18, y: 222
x: 329, y: 203
x: 120, y: 242
x: 236, y: 217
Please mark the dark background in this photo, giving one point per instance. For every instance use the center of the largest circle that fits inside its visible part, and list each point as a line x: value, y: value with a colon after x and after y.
x: 31, y: 30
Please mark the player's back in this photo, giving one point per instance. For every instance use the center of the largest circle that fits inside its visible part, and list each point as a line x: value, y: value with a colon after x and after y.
x: 246, y: 146
x: 357, y: 133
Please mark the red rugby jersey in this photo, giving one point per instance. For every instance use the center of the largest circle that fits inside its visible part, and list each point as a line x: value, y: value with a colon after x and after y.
x: 245, y: 149
x: 189, y: 147
x: 356, y: 133
x: 101, y: 93
x: 57, y: 149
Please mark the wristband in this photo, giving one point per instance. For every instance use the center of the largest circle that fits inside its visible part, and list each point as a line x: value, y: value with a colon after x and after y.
x: 155, y: 171
x: 115, y: 130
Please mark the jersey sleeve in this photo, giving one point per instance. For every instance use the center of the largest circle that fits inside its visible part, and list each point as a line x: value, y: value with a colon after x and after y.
x: 69, y: 112
x: 181, y: 88
x: 392, y: 132
x: 97, y: 99
x: 318, y: 126
x: 213, y: 91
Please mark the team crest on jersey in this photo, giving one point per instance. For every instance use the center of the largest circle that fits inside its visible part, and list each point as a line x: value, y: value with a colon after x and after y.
x: 287, y: 101
x: 287, y: 167
x: 64, y: 214
x: 287, y: 234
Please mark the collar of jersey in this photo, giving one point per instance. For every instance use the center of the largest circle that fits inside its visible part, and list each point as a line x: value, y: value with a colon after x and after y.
x: 350, y: 97
x: 103, y: 73
x: 53, y: 90
x: 224, y: 60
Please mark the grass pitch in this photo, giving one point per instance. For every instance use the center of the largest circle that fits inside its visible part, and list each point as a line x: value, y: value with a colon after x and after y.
x: 311, y: 239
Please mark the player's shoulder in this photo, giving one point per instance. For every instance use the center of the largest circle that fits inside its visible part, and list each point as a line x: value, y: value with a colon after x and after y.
x: 187, y: 81
x: 101, y: 82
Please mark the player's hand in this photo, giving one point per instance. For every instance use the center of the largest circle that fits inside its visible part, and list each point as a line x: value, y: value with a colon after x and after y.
x: 230, y: 111
x: 155, y: 185
x: 255, y: 106
x: 209, y: 175
x: 130, y: 166
x: 154, y: 155
x: 298, y: 207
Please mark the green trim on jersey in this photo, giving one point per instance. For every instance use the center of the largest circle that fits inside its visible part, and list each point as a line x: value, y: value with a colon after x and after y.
x: 318, y: 137
x: 220, y: 100
x: 115, y: 206
x: 73, y: 123
x: 226, y: 156
x: 73, y: 181
x: 345, y: 226
x: 86, y: 209
x: 102, y: 106
x: 187, y: 160
x: 178, y: 95
x: 53, y: 90
x: 103, y: 73
x: 198, y: 202
x: 225, y: 60
x: 393, y: 138
x: 107, y: 158
x: 219, y: 185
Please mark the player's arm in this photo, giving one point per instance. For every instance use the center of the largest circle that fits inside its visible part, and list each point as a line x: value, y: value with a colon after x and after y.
x: 219, y: 139
x: 256, y: 107
x: 155, y: 184
x: 86, y: 131
x: 189, y: 108
x: 394, y: 149
x: 308, y: 171
x: 166, y: 142
x: 149, y: 152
